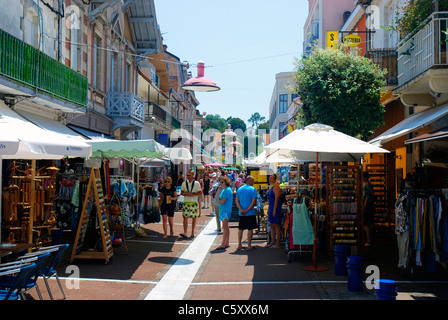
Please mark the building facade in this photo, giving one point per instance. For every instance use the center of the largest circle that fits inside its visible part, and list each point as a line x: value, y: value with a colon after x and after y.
x: 324, y: 16
x: 280, y: 101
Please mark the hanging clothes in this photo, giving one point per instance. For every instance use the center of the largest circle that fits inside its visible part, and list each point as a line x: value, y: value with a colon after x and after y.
x: 402, y: 230
x: 428, y: 227
x: 302, y: 230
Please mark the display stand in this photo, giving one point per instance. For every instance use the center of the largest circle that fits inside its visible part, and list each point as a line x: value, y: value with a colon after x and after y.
x: 379, y: 178
x: 106, y: 252
x: 28, y: 206
x: 116, y: 224
x: 344, y: 201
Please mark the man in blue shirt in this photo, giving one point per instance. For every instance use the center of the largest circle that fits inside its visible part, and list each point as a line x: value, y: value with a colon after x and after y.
x: 246, y: 199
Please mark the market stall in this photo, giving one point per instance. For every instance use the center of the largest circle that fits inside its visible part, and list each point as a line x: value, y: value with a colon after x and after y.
x: 30, y: 190
x: 123, y: 204
x: 321, y: 143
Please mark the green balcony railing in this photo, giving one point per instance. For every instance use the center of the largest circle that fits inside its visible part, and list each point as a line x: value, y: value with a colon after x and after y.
x: 30, y: 67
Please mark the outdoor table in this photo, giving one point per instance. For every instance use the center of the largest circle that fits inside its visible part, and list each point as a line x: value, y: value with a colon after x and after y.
x: 13, y: 248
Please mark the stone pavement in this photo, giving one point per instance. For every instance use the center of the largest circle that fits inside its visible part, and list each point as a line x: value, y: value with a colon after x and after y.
x: 174, y: 268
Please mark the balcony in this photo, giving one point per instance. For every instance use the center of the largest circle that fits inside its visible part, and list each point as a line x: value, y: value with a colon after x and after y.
x: 386, y: 59
x: 127, y: 110
x: 422, y: 63
x: 156, y: 111
x: 30, y: 71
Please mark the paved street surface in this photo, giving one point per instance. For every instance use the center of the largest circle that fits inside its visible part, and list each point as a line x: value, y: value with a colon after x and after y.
x: 191, y: 269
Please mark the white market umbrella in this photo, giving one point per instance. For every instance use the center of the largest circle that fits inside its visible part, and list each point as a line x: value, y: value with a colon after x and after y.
x: 155, y: 163
x: 332, y: 145
x: 178, y: 155
x: 321, y: 141
x: 275, y: 157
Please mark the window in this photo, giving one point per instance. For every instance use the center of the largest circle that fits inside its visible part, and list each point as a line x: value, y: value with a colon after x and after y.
x: 97, y: 56
x: 128, y: 79
x: 283, y: 103
x: 115, y: 73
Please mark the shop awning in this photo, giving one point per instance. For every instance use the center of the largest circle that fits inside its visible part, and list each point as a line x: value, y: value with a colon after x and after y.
x: 437, y: 134
x: 21, y: 139
x: 92, y: 135
x: 410, y: 124
x: 50, y: 125
x: 127, y: 148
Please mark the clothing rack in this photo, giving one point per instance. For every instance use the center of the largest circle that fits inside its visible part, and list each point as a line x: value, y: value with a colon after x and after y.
x: 426, y: 233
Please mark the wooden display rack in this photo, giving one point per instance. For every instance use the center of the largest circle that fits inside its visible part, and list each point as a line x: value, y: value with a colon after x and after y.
x: 107, y: 250
x: 344, y: 206
x: 379, y: 177
x: 27, y: 205
x: 116, y: 222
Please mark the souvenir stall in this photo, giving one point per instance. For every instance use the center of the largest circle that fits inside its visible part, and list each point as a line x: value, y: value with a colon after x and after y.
x: 28, y: 189
x: 106, y: 215
x: 117, y: 207
x: 320, y: 144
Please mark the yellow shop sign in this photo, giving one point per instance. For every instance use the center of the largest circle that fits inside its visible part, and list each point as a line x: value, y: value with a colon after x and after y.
x: 352, y: 40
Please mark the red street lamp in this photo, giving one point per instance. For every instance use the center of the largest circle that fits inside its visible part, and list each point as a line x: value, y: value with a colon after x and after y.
x: 200, y: 83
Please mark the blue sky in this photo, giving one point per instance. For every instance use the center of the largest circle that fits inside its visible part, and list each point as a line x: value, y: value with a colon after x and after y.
x: 243, y: 44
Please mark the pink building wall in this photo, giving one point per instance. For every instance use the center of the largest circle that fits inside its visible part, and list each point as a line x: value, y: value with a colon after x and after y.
x: 333, y: 15
x: 330, y: 15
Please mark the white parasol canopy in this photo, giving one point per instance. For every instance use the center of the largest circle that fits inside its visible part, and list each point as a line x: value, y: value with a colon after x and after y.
x: 277, y: 156
x: 332, y: 145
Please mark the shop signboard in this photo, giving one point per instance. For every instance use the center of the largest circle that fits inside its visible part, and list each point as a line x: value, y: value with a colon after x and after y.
x: 352, y: 40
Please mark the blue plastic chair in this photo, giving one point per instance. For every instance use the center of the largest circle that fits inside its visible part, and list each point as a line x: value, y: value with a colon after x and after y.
x: 40, y: 264
x: 20, y: 275
x: 7, y: 281
x: 50, y: 270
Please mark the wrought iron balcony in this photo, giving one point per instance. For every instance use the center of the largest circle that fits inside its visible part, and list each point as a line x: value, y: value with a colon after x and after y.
x: 127, y: 110
x: 424, y: 49
x: 27, y: 66
x: 386, y: 59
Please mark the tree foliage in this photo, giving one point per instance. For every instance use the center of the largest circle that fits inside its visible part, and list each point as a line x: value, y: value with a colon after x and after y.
x: 341, y: 90
x: 255, y: 119
x: 236, y: 123
x: 216, y: 122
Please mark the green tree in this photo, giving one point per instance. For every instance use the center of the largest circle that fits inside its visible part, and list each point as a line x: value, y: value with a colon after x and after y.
x: 255, y: 119
x: 264, y: 125
x: 340, y: 89
x: 216, y: 122
x: 236, y: 123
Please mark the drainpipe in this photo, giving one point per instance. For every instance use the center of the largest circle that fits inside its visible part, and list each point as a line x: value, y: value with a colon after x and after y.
x: 61, y: 4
